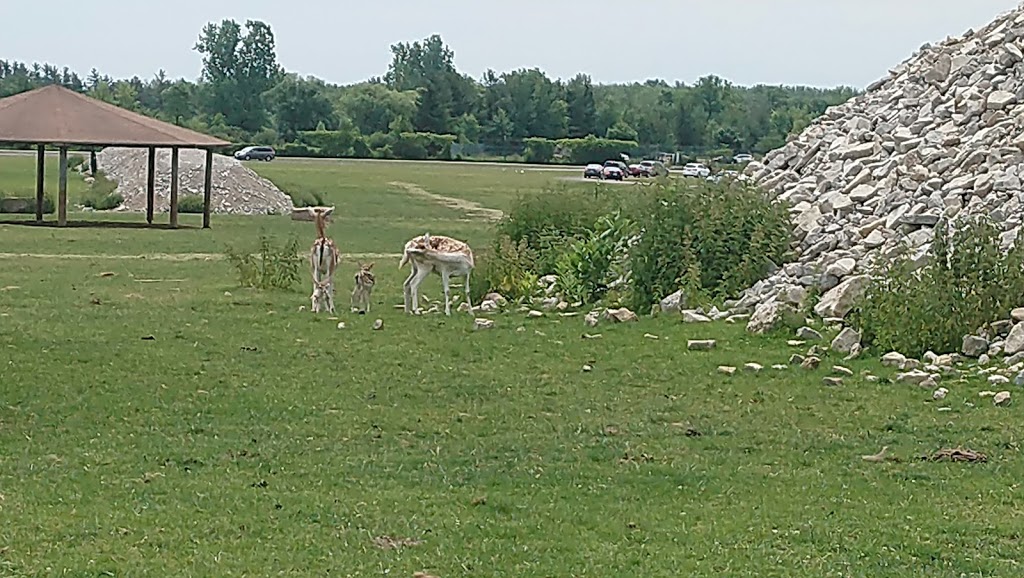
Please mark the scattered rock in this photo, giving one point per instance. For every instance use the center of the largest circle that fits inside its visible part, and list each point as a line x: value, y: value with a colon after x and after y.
x: 700, y: 344
x: 974, y: 346
x: 1019, y: 380
x: 378, y: 325
x: 846, y: 341
x: 808, y: 334
x: 621, y: 315
x: 1001, y: 398
x: 496, y: 298
x: 690, y: 316
x: 673, y: 303
x: 939, y: 393
x: 839, y: 301
x: 1017, y: 314
x: 1014, y: 343
x: 727, y: 370
x: 587, y: 367
x: 341, y: 325
x: 480, y: 323
x: 811, y: 362
x: 752, y: 367
x: 780, y: 366
x: 591, y: 319
x: 998, y: 380
x: 770, y: 315
x: 796, y: 359
x: 894, y: 359
x: 651, y: 336
x: 914, y: 377
x: 534, y: 314
x: 832, y: 381
x: 840, y: 370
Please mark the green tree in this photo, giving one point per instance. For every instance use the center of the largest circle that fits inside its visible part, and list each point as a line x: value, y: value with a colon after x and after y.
x: 581, y: 107
x: 299, y: 105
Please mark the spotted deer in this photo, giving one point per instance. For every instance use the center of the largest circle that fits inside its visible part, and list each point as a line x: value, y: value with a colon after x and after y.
x: 364, y: 288
x: 438, y: 254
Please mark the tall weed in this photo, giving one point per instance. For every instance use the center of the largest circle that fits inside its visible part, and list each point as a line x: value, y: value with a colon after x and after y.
x: 967, y: 283
x: 272, y: 266
x: 591, y: 266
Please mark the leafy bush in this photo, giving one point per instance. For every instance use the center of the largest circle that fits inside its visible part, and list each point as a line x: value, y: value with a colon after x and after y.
x: 594, y: 150
x: 508, y: 268
x: 549, y: 220
x: 539, y: 150
x: 191, y: 204
x: 271, y: 267
x: 967, y: 283
x: 14, y: 204
x: 101, y: 194
x: 75, y: 161
x: 590, y: 266
x: 307, y: 198
x: 329, y: 143
x: 713, y: 240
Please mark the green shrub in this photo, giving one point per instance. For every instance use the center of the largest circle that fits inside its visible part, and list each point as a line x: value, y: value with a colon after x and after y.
x: 539, y: 150
x: 712, y: 239
x: 75, y: 161
x: 967, y: 283
x: 191, y: 204
x: 307, y: 199
x: 14, y: 204
x: 506, y: 267
x: 102, y: 195
x: 589, y: 267
x: 594, y: 150
x: 271, y: 267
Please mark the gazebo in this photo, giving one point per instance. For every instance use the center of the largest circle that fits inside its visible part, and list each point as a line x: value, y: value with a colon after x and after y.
x: 56, y: 116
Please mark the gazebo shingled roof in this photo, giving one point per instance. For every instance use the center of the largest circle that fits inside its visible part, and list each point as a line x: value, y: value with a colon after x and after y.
x: 54, y: 115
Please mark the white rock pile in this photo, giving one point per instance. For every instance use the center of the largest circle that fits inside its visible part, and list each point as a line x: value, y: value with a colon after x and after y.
x: 236, y: 188
x: 941, y: 135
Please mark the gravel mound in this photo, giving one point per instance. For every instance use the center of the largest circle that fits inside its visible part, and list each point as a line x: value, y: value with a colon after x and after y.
x: 237, y: 189
x: 942, y: 135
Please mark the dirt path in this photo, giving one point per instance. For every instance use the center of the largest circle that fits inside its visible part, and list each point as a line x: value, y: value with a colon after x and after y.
x: 471, y: 208
x: 171, y: 256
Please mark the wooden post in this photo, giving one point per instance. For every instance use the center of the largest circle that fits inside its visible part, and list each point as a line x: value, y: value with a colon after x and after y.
x: 150, y: 185
x: 62, y: 189
x: 40, y: 180
x: 207, y: 188
x: 174, y: 187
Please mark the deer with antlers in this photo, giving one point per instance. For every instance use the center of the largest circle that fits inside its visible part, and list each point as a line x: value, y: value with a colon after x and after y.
x: 438, y: 254
x: 323, y: 259
x: 364, y: 287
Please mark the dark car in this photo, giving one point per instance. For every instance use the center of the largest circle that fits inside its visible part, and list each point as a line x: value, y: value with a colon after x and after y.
x: 593, y: 170
x: 256, y: 153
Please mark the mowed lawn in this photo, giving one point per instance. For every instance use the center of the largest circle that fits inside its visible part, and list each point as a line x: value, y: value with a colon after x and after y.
x: 157, y: 420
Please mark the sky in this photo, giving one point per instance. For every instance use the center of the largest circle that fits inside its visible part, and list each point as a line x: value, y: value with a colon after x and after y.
x: 810, y: 42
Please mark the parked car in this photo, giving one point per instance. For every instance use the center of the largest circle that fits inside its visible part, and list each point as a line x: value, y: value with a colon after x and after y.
x: 743, y: 158
x: 637, y: 170
x: 613, y: 172
x: 654, y: 168
x: 257, y: 153
x: 593, y: 170
x: 696, y: 170
x: 619, y: 165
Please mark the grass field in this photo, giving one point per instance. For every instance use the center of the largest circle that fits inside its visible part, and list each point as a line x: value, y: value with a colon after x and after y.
x: 161, y: 421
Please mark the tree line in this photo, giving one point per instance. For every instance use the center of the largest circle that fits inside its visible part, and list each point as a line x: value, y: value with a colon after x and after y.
x: 423, y: 107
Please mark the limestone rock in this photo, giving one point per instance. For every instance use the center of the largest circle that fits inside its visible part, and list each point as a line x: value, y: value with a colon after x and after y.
x: 974, y: 346
x: 480, y: 323
x: 846, y: 341
x: 839, y: 301
x: 700, y: 344
x: 1014, y: 343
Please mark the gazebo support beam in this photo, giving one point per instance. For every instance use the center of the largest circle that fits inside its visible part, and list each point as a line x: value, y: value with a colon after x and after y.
x: 62, y: 188
x: 40, y: 180
x: 174, y: 187
x: 207, y: 188
x: 150, y: 184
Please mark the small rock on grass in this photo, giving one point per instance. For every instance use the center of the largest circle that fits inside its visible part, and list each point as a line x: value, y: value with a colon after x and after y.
x: 1001, y: 398
x: 939, y: 394
x: 700, y: 344
x: 481, y: 323
x: 780, y: 366
x: 998, y: 379
x: 753, y: 367
x: 378, y: 325
x: 840, y: 370
x: 832, y: 381
x: 587, y: 367
x: 534, y: 314
x: 808, y: 334
x: 341, y: 325
x: 811, y: 362
x: 727, y: 370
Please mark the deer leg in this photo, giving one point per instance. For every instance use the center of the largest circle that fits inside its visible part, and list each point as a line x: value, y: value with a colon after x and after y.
x: 447, y: 299
x: 407, y: 288
x: 468, y: 302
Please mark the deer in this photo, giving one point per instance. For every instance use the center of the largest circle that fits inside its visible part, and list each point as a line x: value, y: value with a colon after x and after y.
x: 438, y: 254
x: 364, y: 287
x: 323, y: 259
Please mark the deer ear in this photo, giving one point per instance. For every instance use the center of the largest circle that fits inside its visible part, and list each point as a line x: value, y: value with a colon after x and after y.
x: 370, y: 266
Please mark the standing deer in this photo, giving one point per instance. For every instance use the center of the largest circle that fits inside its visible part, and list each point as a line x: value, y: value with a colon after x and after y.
x: 444, y: 256
x: 323, y: 259
x: 364, y: 287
